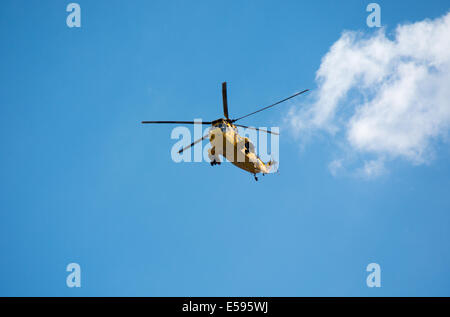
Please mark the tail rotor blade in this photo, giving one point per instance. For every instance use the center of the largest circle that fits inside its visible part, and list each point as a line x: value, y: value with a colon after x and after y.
x: 225, y: 99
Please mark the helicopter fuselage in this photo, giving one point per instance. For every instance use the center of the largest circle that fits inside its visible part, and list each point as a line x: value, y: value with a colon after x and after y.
x: 226, y: 142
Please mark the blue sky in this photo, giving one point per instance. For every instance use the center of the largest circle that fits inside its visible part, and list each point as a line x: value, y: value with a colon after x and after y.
x: 82, y: 181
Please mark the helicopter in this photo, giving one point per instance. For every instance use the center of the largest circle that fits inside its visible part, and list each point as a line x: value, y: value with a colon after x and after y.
x: 226, y: 141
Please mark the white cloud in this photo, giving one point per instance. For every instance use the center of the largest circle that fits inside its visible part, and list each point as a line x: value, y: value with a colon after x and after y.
x: 373, y: 168
x: 335, y: 166
x: 389, y: 97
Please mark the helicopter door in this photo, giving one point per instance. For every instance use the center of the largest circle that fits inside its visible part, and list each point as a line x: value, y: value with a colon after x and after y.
x: 249, y: 147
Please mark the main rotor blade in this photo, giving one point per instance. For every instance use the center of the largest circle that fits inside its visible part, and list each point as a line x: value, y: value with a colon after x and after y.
x: 179, y: 122
x: 299, y: 93
x: 257, y: 129
x: 193, y: 143
x: 225, y: 99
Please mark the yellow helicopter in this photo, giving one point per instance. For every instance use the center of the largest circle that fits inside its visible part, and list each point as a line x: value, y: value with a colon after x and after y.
x: 226, y: 141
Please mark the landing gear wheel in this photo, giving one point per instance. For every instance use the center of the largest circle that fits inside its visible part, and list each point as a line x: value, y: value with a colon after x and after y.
x: 256, y: 178
x: 214, y: 162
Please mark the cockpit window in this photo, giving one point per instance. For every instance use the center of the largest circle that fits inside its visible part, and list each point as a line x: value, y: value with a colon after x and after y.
x: 224, y: 127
